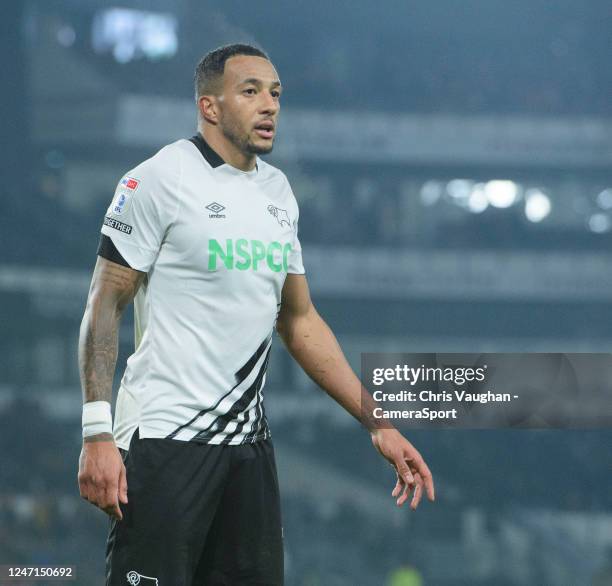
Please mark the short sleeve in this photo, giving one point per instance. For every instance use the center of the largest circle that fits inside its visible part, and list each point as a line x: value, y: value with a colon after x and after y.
x: 143, y: 207
x: 295, y: 265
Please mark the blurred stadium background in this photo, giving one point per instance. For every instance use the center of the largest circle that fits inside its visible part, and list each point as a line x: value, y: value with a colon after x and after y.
x: 452, y: 164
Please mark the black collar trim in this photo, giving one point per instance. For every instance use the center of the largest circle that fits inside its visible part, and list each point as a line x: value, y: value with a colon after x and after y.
x: 212, y: 157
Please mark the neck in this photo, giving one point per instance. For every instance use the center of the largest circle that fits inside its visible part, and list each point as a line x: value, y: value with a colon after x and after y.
x: 231, y: 154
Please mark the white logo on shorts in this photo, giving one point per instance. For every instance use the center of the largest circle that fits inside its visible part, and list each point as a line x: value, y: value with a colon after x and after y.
x: 134, y: 578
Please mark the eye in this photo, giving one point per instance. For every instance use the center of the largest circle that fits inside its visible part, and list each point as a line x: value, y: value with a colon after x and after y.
x: 275, y: 94
x: 249, y: 91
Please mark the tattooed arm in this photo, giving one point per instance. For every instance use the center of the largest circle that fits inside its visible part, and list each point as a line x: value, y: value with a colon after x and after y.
x: 113, y: 287
x: 101, y: 470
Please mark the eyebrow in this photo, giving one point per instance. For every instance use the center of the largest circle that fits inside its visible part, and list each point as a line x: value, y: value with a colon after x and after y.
x: 258, y: 82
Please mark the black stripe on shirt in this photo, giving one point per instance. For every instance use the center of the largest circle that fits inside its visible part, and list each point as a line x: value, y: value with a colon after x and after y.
x: 220, y: 423
x: 241, y: 375
x: 108, y: 250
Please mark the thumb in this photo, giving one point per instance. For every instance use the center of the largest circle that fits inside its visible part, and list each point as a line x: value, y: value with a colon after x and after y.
x: 123, y: 485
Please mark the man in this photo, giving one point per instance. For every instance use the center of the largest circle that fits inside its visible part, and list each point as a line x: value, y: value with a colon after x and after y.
x: 203, y: 238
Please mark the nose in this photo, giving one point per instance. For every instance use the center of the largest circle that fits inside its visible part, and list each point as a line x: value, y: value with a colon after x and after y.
x: 269, y: 104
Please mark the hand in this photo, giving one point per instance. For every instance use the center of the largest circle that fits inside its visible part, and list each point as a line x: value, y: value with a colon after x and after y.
x: 102, y: 478
x: 411, y: 470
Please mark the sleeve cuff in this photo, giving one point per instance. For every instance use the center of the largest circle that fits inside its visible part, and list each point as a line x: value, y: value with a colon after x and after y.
x: 137, y: 258
x: 108, y: 250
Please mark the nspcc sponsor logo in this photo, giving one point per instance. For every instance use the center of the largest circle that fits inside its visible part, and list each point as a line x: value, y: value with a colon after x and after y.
x: 243, y: 254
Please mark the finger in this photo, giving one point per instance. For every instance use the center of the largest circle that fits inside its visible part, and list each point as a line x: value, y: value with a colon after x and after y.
x: 428, y: 481
x: 398, y: 488
x: 111, y: 504
x: 419, y: 465
x: 90, y: 490
x: 123, y: 497
x: 418, y: 492
x: 114, y: 511
x: 86, y: 492
x: 103, y: 499
x: 83, y: 488
x: 97, y: 494
x: 404, y: 496
x: 403, y: 471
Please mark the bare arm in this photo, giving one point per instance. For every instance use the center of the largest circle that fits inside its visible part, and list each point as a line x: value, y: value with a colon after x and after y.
x: 112, y: 288
x: 101, y: 470
x: 313, y: 345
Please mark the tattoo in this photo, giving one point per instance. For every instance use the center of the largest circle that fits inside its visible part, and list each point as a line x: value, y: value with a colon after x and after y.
x: 98, y: 357
x: 100, y: 437
x: 113, y: 287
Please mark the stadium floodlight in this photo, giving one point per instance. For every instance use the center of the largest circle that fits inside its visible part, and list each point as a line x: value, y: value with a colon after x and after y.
x: 537, y: 205
x: 431, y: 191
x: 459, y: 191
x: 501, y: 193
x: 133, y: 34
x: 604, y: 199
x: 66, y: 36
x: 599, y: 223
x: 478, y: 201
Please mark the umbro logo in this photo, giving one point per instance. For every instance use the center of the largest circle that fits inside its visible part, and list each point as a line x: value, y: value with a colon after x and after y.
x: 216, y: 209
x: 280, y: 215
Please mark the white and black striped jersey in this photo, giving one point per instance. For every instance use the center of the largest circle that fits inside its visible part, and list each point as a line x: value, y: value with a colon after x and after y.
x: 216, y: 244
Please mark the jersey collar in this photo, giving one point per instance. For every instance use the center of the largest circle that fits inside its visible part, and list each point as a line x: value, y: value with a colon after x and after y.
x: 213, y: 158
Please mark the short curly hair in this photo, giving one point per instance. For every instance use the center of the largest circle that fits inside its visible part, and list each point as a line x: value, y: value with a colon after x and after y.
x: 209, y: 70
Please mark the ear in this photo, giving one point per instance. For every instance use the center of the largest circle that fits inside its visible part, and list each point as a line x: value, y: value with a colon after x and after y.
x: 208, y: 107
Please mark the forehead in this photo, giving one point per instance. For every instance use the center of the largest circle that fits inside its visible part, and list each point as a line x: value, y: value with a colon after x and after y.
x: 243, y: 67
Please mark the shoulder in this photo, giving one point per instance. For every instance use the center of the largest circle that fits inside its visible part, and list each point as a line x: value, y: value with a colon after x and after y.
x: 270, y: 173
x: 154, y: 184
x: 276, y: 182
x: 165, y: 166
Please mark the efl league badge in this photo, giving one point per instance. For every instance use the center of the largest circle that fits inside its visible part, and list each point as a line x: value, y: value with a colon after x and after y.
x: 120, y: 203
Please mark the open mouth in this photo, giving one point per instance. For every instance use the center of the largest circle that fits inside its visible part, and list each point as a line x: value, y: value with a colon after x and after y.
x: 265, y: 129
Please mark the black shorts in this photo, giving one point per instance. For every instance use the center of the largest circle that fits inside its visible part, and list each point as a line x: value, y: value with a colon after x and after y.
x: 197, y: 515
